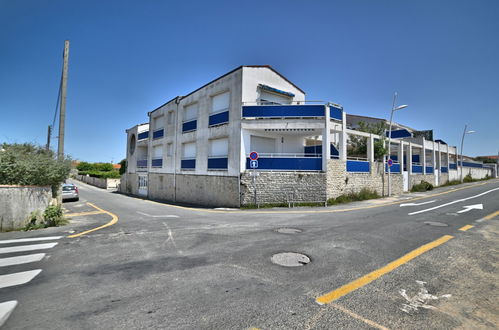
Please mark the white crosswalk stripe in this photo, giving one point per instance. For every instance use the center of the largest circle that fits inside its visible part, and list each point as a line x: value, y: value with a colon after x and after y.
x: 19, y: 278
x: 33, y: 239
x: 24, y: 248
x: 4, y: 262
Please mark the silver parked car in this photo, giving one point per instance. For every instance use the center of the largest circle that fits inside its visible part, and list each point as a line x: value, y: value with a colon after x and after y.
x: 69, y: 192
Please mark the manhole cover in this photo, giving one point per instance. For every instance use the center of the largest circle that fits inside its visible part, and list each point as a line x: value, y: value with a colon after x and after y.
x: 436, y: 224
x: 290, y: 259
x: 288, y: 230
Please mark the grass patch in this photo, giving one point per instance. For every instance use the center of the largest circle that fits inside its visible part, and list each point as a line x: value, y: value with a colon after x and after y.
x: 362, y: 195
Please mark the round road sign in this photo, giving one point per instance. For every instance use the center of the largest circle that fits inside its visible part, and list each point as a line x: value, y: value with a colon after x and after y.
x: 253, y: 155
x: 390, y: 162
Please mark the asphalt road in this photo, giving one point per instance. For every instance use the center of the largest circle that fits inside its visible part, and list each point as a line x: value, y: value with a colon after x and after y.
x: 168, y: 267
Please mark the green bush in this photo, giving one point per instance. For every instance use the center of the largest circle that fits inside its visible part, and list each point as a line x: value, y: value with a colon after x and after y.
x: 468, y: 178
x: 451, y: 183
x: 101, y: 174
x: 422, y: 186
x: 28, y: 164
x: 362, y: 195
x: 52, y: 217
x: 123, y: 167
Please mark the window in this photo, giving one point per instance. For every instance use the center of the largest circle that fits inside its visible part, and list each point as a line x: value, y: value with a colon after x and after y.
x: 190, y: 112
x: 219, y: 147
x: 157, y: 122
x: 189, y: 150
x: 267, y: 98
x: 157, y: 156
x: 220, y: 102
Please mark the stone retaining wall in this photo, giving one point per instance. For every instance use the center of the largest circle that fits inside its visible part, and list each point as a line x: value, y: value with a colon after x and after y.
x: 98, y: 182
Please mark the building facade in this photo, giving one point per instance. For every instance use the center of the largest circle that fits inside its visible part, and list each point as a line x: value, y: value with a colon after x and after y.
x: 195, y: 148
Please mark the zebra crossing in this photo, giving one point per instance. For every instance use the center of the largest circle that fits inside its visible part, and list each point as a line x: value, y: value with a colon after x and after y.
x: 10, y: 256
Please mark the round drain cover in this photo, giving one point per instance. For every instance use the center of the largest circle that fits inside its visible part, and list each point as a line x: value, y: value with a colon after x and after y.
x: 290, y: 259
x: 436, y: 224
x: 288, y: 230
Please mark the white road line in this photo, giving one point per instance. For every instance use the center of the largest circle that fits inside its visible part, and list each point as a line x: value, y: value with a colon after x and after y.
x: 454, y: 202
x: 158, y: 216
x: 4, y: 262
x: 34, y: 239
x: 417, y: 204
x: 18, y: 278
x: 6, y: 309
x: 23, y: 248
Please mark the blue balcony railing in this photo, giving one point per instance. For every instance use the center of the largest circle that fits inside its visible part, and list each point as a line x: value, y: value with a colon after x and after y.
x: 158, y: 134
x: 143, y: 135
x: 468, y: 164
x: 217, y: 163
x: 429, y: 169
x: 287, y: 162
x: 219, y: 118
x: 453, y: 166
x: 444, y: 169
x: 189, y: 126
x: 358, y: 166
x: 417, y: 169
x: 283, y: 111
x: 142, y: 163
x: 157, y: 162
x: 394, y: 169
x: 188, y: 164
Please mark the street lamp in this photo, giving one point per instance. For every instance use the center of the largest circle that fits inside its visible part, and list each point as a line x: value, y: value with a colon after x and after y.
x: 462, y: 143
x: 394, y: 108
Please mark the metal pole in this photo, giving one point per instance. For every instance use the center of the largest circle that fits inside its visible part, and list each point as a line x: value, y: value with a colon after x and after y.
x: 462, y: 143
x: 254, y: 186
x: 389, y: 145
x: 62, y: 116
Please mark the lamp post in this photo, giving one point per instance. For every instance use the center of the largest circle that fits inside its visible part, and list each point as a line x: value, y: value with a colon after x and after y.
x: 462, y: 143
x: 390, y: 139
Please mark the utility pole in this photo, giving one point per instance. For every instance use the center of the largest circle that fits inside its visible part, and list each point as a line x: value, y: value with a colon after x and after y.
x: 62, y: 115
x: 49, y: 132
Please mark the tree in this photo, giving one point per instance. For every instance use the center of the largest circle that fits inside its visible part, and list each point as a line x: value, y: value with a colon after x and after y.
x: 359, y: 143
x: 123, y: 164
x: 29, y: 164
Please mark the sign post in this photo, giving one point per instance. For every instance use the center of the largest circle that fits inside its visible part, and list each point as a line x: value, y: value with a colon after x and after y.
x: 254, y: 165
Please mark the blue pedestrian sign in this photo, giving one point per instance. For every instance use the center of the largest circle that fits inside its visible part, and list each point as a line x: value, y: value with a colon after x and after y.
x: 253, y: 163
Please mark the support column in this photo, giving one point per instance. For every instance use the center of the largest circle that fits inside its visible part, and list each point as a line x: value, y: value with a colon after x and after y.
x: 326, y: 139
x: 439, y: 158
x: 448, y: 159
x: 370, y: 148
x: 343, y: 138
x: 401, y: 157
x: 409, y: 159
x: 422, y: 158
x: 433, y: 157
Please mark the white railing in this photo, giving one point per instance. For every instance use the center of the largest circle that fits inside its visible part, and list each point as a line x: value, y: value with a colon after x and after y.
x: 362, y: 159
x: 288, y: 155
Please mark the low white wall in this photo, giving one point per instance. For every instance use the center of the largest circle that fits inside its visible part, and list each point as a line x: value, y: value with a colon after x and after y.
x: 476, y: 173
x: 18, y: 202
x: 98, y: 182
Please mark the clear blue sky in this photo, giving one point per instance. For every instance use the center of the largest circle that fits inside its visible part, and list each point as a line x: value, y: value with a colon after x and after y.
x: 128, y: 57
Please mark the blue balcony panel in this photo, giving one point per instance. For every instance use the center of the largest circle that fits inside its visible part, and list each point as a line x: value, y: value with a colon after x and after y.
x: 417, y: 169
x: 317, y: 150
x: 188, y: 164
x: 218, y: 163
x: 219, y: 118
x: 395, y: 168
x: 190, y: 126
x: 283, y: 111
x: 429, y: 169
x: 157, y: 162
x: 357, y: 166
x: 444, y: 170
x: 143, y: 135
x: 468, y: 164
x: 453, y: 166
x: 288, y: 164
x: 335, y: 113
x: 159, y: 133
x: 142, y: 163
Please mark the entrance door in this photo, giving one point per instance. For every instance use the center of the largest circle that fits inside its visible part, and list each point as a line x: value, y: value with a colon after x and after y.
x: 406, y: 180
x: 143, y: 185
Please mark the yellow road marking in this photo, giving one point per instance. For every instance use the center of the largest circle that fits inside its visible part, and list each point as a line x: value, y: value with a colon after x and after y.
x: 358, y: 317
x: 465, y: 228
x: 366, y: 279
x: 82, y: 213
x: 110, y: 223
x: 318, y: 211
x: 492, y: 215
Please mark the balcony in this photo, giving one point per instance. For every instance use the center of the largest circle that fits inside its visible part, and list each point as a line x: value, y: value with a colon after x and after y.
x: 429, y: 169
x: 444, y: 169
x: 143, y: 135
x: 189, y: 126
x: 359, y: 165
x: 283, y: 111
x: 453, y: 166
x: 158, y: 134
x: 395, y: 167
x: 142, y: 163
x: 417, y: 168
x: 288, y: 162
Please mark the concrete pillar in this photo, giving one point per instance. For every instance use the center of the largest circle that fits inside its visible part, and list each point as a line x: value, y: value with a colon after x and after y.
x: 409, y: 159
x: 422, y: 157
x: 439, y: 157
x: 448, y: 159
x: 401, y: 156
x: 326, y: 139
x: 433, y: 157
x: 370, y: 148
x: 343, y: 138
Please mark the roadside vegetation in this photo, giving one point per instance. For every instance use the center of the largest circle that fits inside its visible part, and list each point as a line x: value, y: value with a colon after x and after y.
x: 31, y: 165
x: 98, y: 170
x: 422, y: 186
x: 51, y: 217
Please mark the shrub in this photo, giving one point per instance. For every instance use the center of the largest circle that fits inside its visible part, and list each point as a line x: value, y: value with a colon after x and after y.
x: 468, y: 178
x: 123, y: 164
x: 52, y: 217
x: 422, y: 186
x: 362, y: 195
